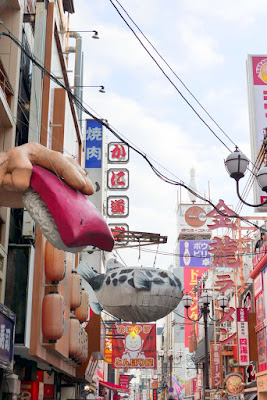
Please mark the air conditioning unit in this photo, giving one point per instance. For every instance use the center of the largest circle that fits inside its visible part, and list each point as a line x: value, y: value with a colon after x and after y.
x: 28, y: 226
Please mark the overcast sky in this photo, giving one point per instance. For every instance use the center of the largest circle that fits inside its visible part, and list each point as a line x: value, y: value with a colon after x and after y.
x: 206, y: 43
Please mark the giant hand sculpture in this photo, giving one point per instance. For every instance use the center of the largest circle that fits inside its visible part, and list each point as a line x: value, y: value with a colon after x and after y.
x: 55, y: 200
x: 16, y: 169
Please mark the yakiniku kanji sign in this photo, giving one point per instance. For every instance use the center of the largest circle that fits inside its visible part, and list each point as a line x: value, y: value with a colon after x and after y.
x: 134, y: 346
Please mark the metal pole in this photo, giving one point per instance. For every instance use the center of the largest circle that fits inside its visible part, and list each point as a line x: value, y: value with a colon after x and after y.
x: 205, y: 311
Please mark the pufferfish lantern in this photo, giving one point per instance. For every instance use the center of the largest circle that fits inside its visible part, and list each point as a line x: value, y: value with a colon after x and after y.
x: 133, y: 294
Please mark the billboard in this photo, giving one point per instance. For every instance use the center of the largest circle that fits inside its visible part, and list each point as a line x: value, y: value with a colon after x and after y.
x: 191, y: 277
x: 257, y: 93
x: 195, y: 253
x: 134, y: 346
x: 192, y: 219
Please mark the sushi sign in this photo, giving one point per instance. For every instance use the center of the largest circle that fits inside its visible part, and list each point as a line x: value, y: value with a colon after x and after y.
x: 134, y: 346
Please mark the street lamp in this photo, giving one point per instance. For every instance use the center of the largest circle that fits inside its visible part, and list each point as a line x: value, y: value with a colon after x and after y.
x: 94, y: 36
x: 204, y: 302
x: 236, y: 165
x: 101, y: 90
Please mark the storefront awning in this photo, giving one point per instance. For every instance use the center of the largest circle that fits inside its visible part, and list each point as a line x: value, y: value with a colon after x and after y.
x: 114, y: 387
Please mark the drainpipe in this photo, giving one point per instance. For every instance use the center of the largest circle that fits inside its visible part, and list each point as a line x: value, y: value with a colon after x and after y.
x: 78, y: 70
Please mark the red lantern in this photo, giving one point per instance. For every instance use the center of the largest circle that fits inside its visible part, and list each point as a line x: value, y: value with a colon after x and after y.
x: 76, y: 290
x: 54, y: 263
x: 74, y: 347
x: 81, y: 313
x: 53, y: 316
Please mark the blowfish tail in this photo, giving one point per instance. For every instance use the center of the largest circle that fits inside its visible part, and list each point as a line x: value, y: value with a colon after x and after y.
x: 86, y: 271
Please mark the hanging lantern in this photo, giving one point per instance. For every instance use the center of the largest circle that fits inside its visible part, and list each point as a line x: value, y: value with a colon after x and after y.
x: 74, y: 338
x: 76, y: 290
x: 84, y: 353
x: 55, y: 266
x: 53, y: 316
x: 81, y: 313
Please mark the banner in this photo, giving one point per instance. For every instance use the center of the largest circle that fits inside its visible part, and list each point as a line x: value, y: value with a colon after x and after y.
x: 134, y: 346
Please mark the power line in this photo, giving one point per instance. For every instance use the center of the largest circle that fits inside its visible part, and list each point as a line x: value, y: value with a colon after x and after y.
x: 104, y: 123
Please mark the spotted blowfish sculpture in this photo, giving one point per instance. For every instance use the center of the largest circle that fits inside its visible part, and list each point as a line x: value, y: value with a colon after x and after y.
x: 133, y: 294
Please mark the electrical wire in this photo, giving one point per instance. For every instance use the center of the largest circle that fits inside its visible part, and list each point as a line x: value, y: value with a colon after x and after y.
x: 104, y: 123
x: 172, y: 70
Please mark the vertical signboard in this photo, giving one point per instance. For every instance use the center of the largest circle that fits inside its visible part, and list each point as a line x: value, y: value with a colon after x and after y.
x: 94, y: 151
x: 257, y: 90
x: 216, y: 372
x: 191, y: 276
x: 242, y: 332
x: 94, y: 159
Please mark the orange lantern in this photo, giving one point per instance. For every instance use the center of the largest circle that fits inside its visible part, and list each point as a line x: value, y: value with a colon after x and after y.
x: 53, y: 316
x: 81, y: 313
x: 74, y: 347
x: 76, y: 290
x: 191, y: 343
x: 54, y: 263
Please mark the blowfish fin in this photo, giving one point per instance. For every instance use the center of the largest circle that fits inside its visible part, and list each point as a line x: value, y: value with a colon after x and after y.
x: 86, y: 271
x: 141, y: 280
x: 96, y: 308
x: 113, y: 264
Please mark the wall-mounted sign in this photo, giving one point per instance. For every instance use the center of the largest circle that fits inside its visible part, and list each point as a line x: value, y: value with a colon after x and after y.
x: 93, y: 144
x: 216, y: 372
x: 243, y: 339
x: 257, y: 90
x: 118, y: 152
x: 118, y: 206
x: 117, y: 231
x: 118, y: 179
x: 234, y: 383
x: 7, y: 332
x: 194, y: 253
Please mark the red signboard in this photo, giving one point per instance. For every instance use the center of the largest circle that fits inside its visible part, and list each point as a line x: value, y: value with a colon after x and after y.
x: 134, y: 346
x: 124, y: 381
x: 118, y: 179
x: 191, y: 276
x: 118, y: 206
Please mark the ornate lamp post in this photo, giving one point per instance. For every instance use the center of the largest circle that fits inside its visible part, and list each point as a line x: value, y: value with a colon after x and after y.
x: 204, y: 302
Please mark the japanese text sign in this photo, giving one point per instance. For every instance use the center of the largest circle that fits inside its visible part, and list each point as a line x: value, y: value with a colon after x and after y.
x: 136, y: 348
x: 194, y: 253
x: 118, y: 206
x: 191, y: 277
x: 124, y: 381
x: 118, y: 179
x: 243, y: 340
x: 7, y: 330
x: 118, y: 230
x: 93, y: 144
x: 221, y: 219
x: 118, y: 153
x: 216, y: 372
x: 224, y: 252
